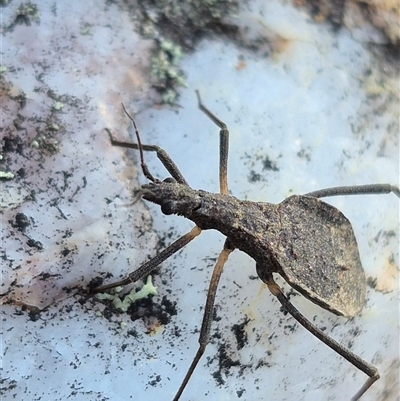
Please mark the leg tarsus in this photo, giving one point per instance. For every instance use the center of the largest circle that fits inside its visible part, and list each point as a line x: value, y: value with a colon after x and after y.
x: 210, y: 114
x: 190, y: 371
x: 145, y: 169
x: 371, y: 380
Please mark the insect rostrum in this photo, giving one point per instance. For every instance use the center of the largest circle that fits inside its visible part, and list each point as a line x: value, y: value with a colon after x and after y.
x: 310, y: 243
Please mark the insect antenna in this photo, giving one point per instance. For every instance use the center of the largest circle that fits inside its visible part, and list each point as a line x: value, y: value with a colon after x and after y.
x: 143, y: 165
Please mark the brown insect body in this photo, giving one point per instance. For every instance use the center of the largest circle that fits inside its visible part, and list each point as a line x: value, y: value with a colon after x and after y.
x: 310, y: 243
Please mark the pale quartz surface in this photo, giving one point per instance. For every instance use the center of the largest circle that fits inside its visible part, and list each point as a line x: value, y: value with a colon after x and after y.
x: 306, y: 107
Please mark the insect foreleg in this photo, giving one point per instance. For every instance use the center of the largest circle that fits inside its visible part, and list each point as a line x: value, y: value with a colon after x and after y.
x: 162, y: 155
x: 146, y: 268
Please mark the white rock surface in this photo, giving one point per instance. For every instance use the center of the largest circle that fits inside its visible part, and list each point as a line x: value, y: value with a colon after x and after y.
x: 314, y: 103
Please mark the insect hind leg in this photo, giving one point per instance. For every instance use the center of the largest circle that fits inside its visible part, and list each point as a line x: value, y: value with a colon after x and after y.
x: 370, y: 189
x: 350, y: 356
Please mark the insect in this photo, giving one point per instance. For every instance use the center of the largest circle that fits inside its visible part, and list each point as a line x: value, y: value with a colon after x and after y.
x: 308, y: 242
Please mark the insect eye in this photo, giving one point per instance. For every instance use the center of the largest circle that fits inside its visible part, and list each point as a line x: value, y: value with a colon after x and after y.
x: 170, y: 179
x: 168, y: 207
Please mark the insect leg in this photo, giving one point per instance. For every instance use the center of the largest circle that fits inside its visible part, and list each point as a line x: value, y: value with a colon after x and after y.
x: 356, y: 190
x: 353, y: 358
x: 208, y: 314
x: 223, y: 147
x: 146, y: 268
x: 162, y: 155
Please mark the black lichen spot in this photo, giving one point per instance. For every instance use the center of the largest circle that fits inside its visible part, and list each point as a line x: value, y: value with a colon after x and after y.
x: 261, y: 362
x: 225, y: 362
x: 34, y: 316
x: 33, y: 312
x: 13, y: 144
x: 108, y: 313
x: 35, y: 244
x: 133, y: 333
x: 147, y: 310
x: 169, y: 307
x: 254, y: 177
x: 268, y: 164
x: 65, y: 252
x: 21, y: 173
x: 31, y: 197
x: 21, y: 222
x: 11, y: 385
x: 155, y: 381
x: 303, y: 154
x: 240, y: 333
x: 95, y: 282
x: 68, y: 233
x: 46, y: 276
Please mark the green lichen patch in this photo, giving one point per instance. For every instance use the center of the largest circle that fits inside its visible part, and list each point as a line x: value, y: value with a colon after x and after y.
x: 185, y: 22
x: 165, y: 71
x: 124, y: 303
x: 176, y: 27
x: 6, y: 175
x: 26, y: 14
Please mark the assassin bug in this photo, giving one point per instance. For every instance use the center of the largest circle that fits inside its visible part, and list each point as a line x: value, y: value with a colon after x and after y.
x: 308, y: 242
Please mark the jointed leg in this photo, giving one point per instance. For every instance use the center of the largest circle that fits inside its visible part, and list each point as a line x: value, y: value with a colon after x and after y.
x: 354, y: 359
x: 356, y: 190
x: 223, y: 147
x: 161, y: 154
x: 208, y: 314
x: 146, y: 268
